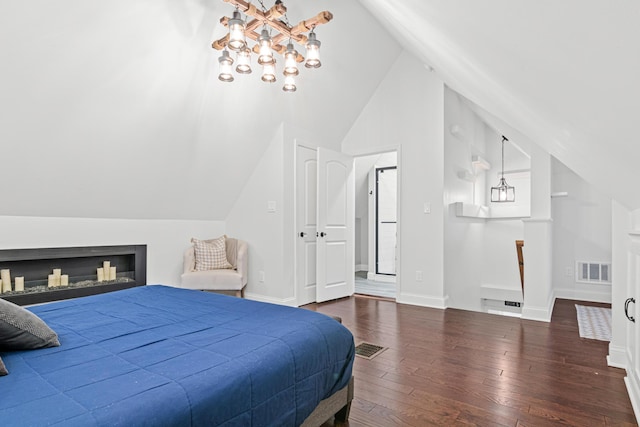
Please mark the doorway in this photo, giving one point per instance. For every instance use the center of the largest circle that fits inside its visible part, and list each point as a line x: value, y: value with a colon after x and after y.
x: 376, y: 248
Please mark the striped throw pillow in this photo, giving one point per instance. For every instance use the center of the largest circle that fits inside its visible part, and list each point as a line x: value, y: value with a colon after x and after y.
x: 211, y: 254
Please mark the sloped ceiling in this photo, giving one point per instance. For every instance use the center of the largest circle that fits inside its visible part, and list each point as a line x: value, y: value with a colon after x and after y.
x: 562, y: 73
x: 113, y: 109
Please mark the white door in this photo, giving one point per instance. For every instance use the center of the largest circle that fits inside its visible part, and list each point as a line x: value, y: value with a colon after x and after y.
x: 335, y: 270
x: 306, y: 195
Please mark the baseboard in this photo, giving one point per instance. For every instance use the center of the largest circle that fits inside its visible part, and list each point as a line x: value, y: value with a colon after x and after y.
x: 423, y: 301
x: 540, y: 314
x: 291, y: 302
x: 583, y: 295
x: 617, y: 357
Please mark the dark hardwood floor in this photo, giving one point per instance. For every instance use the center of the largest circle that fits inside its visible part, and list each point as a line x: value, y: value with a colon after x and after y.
x: 456, y: 367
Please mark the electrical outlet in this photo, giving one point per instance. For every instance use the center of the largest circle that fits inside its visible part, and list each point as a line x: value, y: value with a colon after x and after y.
x: 261, y: 276
x: 427, y: 207
x: 418, y: 276
x: 568, y: 271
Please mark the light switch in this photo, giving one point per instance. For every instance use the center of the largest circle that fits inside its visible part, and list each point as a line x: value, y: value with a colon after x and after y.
x: 271, y: 206
x: 427, y: 207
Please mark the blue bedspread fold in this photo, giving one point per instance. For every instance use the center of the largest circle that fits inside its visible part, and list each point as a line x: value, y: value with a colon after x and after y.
x: 157, y: 356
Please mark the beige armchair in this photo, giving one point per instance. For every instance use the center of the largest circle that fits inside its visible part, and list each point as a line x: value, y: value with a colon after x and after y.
x: 223, y: 281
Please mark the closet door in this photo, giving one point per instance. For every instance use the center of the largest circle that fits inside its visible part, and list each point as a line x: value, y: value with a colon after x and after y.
x: 335, y: 231
x: 306, y: 224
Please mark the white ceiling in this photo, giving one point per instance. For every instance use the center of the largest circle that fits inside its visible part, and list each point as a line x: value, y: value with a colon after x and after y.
x: 113, y: 109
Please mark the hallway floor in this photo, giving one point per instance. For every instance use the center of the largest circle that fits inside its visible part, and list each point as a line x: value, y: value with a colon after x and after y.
x: 373, y: 288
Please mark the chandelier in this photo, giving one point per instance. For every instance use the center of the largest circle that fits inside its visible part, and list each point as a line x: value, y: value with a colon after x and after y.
x: 273, y: 20
x: 503, y: 192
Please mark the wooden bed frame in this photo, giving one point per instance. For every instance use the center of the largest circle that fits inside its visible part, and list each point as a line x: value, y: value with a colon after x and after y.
x: 338, y: 405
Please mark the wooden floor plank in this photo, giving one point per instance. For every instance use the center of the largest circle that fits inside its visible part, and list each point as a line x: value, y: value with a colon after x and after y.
x: 456, y: 367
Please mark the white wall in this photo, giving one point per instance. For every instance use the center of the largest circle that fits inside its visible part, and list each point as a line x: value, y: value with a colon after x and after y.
x: 249, y: 220
x: 166, y: 240
x: 477, y: 252
x: 272, y: 236
x: 581, y: 232
x: 407, y: 111
x: 463, y: 237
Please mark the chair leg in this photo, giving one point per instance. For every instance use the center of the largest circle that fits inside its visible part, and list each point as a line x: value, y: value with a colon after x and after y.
x: 239, y: 294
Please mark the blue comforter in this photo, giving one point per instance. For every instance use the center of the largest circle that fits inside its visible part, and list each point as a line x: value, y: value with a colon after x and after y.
x: 156, y: 355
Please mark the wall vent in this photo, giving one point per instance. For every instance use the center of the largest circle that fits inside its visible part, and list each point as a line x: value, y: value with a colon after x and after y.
x: 593, y: 272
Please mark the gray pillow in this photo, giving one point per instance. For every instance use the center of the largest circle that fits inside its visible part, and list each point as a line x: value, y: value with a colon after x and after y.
x: 3, y: 370
x: 20, y: 329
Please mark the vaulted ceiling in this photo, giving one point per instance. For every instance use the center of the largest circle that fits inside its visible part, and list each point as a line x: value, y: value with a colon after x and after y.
x: 113, y: 109
x: 562, y: 73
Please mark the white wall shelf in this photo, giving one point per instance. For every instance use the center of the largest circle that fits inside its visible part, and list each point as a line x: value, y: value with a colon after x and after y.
x: 469, y: 210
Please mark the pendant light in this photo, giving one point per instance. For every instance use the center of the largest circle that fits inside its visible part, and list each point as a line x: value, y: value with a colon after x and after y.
x: 244, y: 61
x: 236, y: 33
x: 313, y: 51
x: 269, y: 72
x: 289, y: 84
x: 503, y: 192
x: 225, y: 67
x: 290, y: 64
x: 266, y: 55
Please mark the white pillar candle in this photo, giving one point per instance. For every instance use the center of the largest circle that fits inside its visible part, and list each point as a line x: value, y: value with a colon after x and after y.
x: 64, y: 280
x: 0, y: 286
x: 106, y: 265
x: 19, y: 282
x: 5, y: 276
x: 112, y: 273
x: 57, y: 272
x: 101, y: 275
x: 51, y: 282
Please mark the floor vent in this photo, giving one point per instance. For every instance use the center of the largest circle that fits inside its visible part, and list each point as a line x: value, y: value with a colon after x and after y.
x: 368, y: 351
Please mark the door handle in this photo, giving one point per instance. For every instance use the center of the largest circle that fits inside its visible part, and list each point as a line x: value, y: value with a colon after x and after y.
x: 322, y: 234
x: 302, y: 234
x: 626, y: 308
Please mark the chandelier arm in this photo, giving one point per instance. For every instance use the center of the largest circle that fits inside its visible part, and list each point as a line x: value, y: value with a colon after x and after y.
x: 321, y: 18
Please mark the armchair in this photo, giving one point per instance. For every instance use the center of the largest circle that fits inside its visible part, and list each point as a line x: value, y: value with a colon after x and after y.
x: 226, y: 280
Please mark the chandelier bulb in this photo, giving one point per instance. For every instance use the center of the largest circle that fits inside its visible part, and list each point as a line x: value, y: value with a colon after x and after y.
x: 225, y: 62
x: 236, y: 32
x: 290, y: 61
x: 289, y: 84
x: 266, y: 55
x: 313, y: 51
x: 244, y: 61
x: 269, y: 72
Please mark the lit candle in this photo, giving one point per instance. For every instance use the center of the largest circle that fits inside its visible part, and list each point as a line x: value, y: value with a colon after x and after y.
x: 19, y: 282
x: 51, y: 282
x: 64, y: 280
x: 101, y: 275
x: 5, y: 276
x: 112, y: 273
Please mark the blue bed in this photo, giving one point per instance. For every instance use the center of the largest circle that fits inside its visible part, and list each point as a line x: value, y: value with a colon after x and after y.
x: 156, y: 355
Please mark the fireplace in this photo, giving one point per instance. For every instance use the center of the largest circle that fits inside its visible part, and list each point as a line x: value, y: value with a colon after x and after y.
x: 43, y: 272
